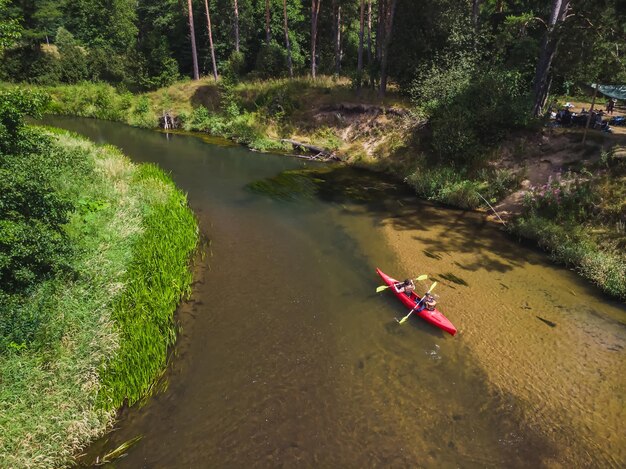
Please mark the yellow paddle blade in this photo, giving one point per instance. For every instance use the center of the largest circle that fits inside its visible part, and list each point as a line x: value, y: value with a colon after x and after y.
x: 432, y: 287
x: 403, y: 319
x: 381, y: 288
x: 422, y: 277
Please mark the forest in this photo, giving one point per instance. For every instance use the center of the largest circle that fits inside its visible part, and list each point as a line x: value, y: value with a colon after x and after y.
x: 426, y: 50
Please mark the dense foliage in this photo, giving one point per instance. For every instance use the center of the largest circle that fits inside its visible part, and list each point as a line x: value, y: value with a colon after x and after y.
x: 145, y: 44
x: 94, y: 258
x: 472, y: 68
x: 33, y: 245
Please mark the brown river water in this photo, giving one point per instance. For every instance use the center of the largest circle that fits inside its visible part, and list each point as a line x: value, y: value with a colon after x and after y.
x: 288, y: 358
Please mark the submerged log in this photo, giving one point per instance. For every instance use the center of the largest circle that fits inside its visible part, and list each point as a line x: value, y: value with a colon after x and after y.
x: 320, y: 153
x: 306, y: 146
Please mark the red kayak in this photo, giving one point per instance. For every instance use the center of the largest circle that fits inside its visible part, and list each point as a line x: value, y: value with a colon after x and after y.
x: 434, y: 317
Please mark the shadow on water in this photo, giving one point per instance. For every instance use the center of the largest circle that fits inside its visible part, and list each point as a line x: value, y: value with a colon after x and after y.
x: 381, y: 196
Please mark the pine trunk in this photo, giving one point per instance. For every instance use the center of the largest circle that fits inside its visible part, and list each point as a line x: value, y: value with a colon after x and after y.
x: 267, y: 22
x: 315, y: 9
x: 192, y: 33
x: 236, y: 26
x: 287, y: 44
x: 475, y: 12
x: 359, y: 63
x: 380, y: 33
x: 338, y: 41
x: 208, y: 20
x: 549, y: 46
x: 369, y: 32
x: 390, y: 11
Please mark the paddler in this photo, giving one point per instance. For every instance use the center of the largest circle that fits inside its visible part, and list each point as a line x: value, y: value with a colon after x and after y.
x: 405, y: 287
x: 429, y: 302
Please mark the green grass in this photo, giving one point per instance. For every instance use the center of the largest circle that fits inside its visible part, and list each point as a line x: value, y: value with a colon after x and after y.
x: 572, y: 245
x: 107, y: 339
x: 584, y: 225
x: 449, y: 186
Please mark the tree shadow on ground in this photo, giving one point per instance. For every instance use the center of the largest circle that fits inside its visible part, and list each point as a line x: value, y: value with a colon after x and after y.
x: 207, y: 96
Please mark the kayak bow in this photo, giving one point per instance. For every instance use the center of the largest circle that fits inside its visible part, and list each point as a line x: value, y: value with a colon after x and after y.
x: 434, y: 317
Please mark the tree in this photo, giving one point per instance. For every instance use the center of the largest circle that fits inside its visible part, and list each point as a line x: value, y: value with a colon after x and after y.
x: 315, y: 10
x: 208, y: 20
x: 549, y: 47
x: 236, y: 6
x: 289, y: 61
x: 475, y: 12
x: 337, y: 35
x: 268, y: 35
x: 359, y: 67
x: 369, y: 33
x: 10, y: 30
x: 390, y: 10
x: 192, y: 33
x: 102, y: 22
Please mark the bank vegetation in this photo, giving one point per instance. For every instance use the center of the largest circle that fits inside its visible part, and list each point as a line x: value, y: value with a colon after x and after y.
x: 94, y: 258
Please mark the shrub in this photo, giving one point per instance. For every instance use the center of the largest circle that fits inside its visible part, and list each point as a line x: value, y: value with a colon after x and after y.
x: 73, y: 57
x: 470, y: 108
x: 234, y: 66
x: 271, y: 61
x: 573, y: 200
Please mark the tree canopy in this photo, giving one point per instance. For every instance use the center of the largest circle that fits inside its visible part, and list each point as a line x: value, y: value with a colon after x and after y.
x: 427, y: 49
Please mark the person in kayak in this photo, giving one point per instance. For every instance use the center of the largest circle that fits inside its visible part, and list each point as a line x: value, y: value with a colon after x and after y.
x: 406, y: 287
x: 429, y: 302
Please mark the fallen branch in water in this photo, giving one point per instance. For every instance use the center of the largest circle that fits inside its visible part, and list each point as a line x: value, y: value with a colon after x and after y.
x: 494, y: 210
x: 320, y: 153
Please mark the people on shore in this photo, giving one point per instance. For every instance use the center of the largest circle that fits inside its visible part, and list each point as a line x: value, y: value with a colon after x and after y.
x: 610, y: 105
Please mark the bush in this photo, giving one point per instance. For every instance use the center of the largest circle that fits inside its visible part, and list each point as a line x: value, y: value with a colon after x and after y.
x: 203, y: 121
x: 104, y: 64
x: 271, y: 61
x: 572, y: 201
x: 470, y: 109
x: 73, y: 57
x: 234, y: 66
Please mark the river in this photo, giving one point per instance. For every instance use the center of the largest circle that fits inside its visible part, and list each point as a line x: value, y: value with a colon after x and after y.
x: 288, y: 358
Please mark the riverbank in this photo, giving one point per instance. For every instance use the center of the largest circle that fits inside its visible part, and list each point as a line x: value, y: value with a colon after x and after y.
x: 102, y: 326
x: 387, y: 135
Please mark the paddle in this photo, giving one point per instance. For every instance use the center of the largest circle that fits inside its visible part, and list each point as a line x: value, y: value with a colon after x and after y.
x: 384, y: 287
x: 418, y: 303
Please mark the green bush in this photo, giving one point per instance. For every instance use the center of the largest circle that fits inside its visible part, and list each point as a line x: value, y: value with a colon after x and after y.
x: 271, y: 61
x: 234, y: 66
x: 204, y: 121
x: 572, y: 201
x: 470, y: 108
x: 73, y: 57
